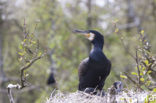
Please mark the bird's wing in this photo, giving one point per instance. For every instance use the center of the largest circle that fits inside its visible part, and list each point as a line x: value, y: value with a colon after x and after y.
x: 83, y: 67
x: 51, y: 79
x: 101, y: 82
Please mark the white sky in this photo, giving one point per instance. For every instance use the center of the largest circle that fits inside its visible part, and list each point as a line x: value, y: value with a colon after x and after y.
x: 98, y: 2
x: 18, y: 2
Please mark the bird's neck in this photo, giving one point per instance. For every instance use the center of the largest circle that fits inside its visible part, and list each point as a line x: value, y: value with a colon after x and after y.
x: 96, y: 52
x: 98, y: 45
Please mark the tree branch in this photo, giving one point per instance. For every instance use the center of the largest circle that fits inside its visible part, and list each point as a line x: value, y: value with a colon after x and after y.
x: 26, y: 67
x: 17, y: 86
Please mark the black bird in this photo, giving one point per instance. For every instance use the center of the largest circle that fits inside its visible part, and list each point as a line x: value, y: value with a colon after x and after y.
x: 93, y: 70
x: 51, y: 79
x: 116, y: 88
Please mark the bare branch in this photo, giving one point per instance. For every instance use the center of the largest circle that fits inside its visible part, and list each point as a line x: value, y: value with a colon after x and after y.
x: 133, y: 81
x: 10, y: 86
x: 26, y: 67
x: 126, y: 49
x: 17, y: 86
x: 138, y: 69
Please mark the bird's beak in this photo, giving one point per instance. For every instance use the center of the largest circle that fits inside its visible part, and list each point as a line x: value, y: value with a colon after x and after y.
x: 86, y: 33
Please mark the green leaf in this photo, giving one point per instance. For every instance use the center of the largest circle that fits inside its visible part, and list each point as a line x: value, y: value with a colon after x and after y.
x: 137, y: 67
x: 149, y: 71
x: 142, y: 79
x: 134, y: 73
x: 143, y: 68
x: 154, y: 90
x: 20, y: 46
x: 20, y: 53
x: 39, y: 54
x: 148, y: 82
x: 146, y: 62
x: 141, y: 74
x: 34, y: 42
x: 142, y: 32
x: 116, y: 30
x: 123, y: 76
x: 24, y: 40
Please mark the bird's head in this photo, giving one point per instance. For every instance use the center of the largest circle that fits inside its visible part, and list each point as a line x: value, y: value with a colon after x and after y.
x: 92, y: 35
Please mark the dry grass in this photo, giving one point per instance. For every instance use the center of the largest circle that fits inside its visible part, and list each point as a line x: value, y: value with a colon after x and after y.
x: 123, y: 97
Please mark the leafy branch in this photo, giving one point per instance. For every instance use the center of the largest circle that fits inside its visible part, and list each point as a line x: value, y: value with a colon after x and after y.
x: 29, y: 52
x: 26, y: 67
x: 144, y: 60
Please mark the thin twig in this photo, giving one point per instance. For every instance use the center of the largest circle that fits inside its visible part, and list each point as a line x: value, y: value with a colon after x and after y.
x: 26, y: 67
x: 10, y: 96
x: 133, y: 81
x: 122, y: 42
x: 24, y: 30
x: 125, y: 47
x: 138, y: 69
x: 17, y: 86
x: 10, y: 86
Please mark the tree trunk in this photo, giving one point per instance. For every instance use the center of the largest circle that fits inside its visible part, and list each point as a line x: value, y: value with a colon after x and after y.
x: 130, y: 14
x: 2, y: 74
x: 89, y: 22
x: 3, y: 79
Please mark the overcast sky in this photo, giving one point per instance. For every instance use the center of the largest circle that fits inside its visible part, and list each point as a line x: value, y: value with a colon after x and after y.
x: 98, y: 2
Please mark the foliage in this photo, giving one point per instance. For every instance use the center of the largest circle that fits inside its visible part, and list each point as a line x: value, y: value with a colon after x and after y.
x: 145, y: 62
x: 27, y: 57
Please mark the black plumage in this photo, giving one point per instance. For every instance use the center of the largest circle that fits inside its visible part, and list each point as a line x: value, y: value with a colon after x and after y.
x: 116, y: 88
x: 93, y: 70
x: 51, y: 79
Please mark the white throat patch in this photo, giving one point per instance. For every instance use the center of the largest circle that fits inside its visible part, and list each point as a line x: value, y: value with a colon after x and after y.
x: 91, y: 37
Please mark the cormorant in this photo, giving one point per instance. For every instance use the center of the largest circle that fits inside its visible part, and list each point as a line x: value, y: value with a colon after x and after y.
x: 51, y: 79
x: 93, y: 70
x: 116, y: 88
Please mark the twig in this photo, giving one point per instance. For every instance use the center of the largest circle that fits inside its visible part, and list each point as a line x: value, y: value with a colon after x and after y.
x: 133, y: 81
x: 30, y: 88
x: 10, y: 86
x: 10, y: 96
x: 137, y: 63
x: 24, y: 30
x: 122, y: 42
x: 26, y: 67
x: 36, y: 57
x: 125, y: 47
x: 17, y: 86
